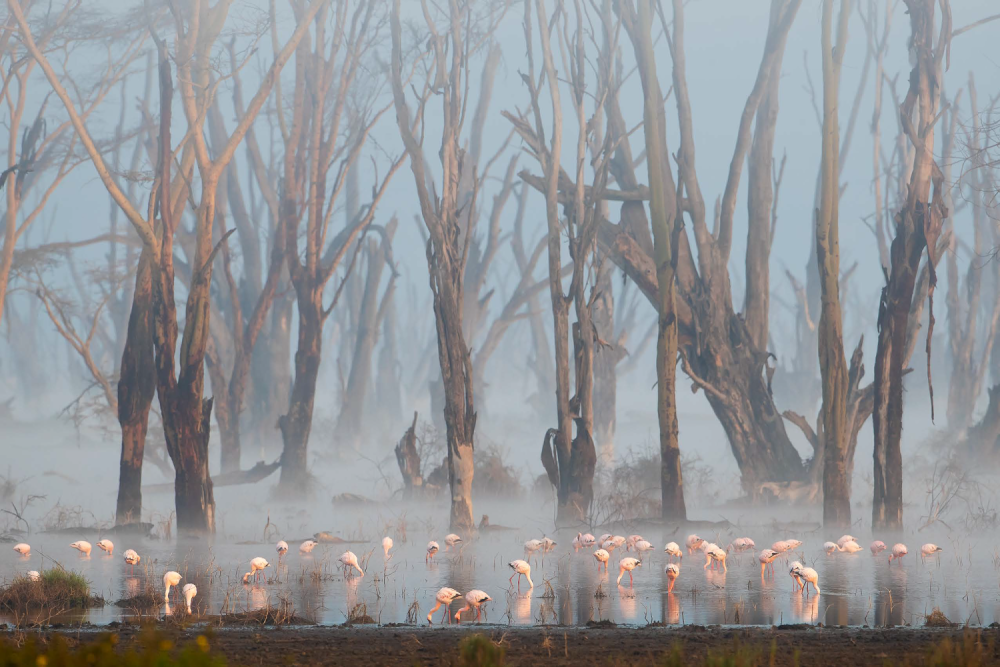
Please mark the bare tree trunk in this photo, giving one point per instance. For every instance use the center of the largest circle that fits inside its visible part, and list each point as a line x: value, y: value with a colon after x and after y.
x: 296, y: 424
x: 136, y: 387
x: 832, y: 364
x: 918, y: 225
x: 606, y: 358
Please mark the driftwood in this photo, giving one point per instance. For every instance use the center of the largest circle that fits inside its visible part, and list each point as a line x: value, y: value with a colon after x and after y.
x: 485, y: 525
x: 259, y: 472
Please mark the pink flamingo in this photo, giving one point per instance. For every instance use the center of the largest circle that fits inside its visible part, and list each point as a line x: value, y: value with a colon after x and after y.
x: 474, y: 598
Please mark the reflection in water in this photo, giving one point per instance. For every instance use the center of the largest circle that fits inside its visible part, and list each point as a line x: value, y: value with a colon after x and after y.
x: 805, y: 607
x: 627, y: 604
x: 522, y: 607
x: 672, y: 609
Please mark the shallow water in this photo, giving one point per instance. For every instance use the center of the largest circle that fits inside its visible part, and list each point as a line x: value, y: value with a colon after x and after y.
x: 856, y: 589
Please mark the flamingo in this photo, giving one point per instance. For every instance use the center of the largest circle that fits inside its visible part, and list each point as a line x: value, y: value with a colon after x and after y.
x: 583, y: 540
x: 386, y: 545
x: 717, y: 556
x: 34, y: 576
x: 307, y: 547
x: 898, y: 551
x: 444, y: 597
x: 794, y: 573
x: 450, y: 540
x: 851, y: 547
x: 349, y: 560
x: 630, y: 542
x: 474, y: 598
x: 693, y: 543
x: 530, y: 547
x: 673, y: 550
x: 627, y: 565
x: 520, y: 567
x: 83, y: 547
x: 766, y: 559
x: 602, y: 556
x: 609, y: 546
x: 432, y: 548
x: 171, y: 578
x: 642, y: 546
x: 672, y: 571
x: 189, y: 591
x: 132, y: 559
x: 619, y: 540
x: 257, y: 566
x: 23, y: 548
x: 929, y: 550
x: 877, y: 547
x: 831, y: 547
x: 548, y: 545
x: 604, y: 538
x: 808, y: 576
x: 106, y: 546
x: 742, y: 544
x: 844, y: 539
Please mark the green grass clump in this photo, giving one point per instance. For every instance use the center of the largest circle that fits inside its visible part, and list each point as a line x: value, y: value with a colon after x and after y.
x: 154, y: 650
x: 57, y: 590
x: 479, y: 651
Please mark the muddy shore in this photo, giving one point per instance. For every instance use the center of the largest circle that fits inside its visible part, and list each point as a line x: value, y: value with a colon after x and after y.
x: 408, y: 645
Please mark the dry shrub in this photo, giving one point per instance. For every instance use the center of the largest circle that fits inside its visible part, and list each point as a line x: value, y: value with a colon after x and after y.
x: 55, y: 592
x: 62, y: 517
x: 358, y: 615
x: 937, y: 619
x: 493, y: 477
x: 629, y: 491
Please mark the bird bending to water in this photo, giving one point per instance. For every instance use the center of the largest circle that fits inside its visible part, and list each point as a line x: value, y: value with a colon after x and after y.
x: 349, y: 560
x: 23, y: 548
x: 844, y: 539
x: 450, y: 540
x: 642, y: 546
x: 831, y: 547
x: 673, y: 571
x: 82, y: 546
x: 307, y: 546
x: 386, y: 545
x: 877, y: 547
x: 631, y: 541
x: 794, y: 573
x: 107, y: 546
x: 929, y: 550
x: 132, y: 559
x: 282, y: 548
x: 583, y: 540
x: 693, y: 543
x: 548, y: 544
x: 809, y: 576
x: 34, y: 576
x: 851, y: 547
x: 602, y: 557
x: 619, y: 540
x: 530, y: 547
x: 257, y: 566
x: 608, y: 545
x: 627, y: 565
x: 717, y: 557
x: 673, y: 550
x: 444, y: 597
x: 521, y: 568
x: 898, y: 551
x: 604, y: 538
x: 432, y: 548
x: 170, y: 579
x: 766, y: 559
x: 742, y: 544
x: 475, y: 599
x: 189, y: 591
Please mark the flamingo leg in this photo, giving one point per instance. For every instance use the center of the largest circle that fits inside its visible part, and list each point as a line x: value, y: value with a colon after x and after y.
x: 630, y: 578
x: 446, y: 615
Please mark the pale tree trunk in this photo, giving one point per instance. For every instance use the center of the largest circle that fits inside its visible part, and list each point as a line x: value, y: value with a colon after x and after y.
x: 832, y: 364
x: 606, y: 358
x: 918, y: 225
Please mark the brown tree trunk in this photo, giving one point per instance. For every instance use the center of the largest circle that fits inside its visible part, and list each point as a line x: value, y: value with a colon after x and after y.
x: 918, y: 225
x: 296, y: 424
x: 136, y: 386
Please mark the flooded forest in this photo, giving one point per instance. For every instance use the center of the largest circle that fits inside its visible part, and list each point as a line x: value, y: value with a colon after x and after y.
x: 670, y: 312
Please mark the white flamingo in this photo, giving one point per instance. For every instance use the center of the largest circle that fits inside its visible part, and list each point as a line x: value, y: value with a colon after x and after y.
x: 170, y: 579
x: 673, y: 570
x: 583, y: 541
x: 432, y: 548
x: 83, y: 547
x: 630, y: 542
x: 642, y: 546
x: 530, y: 547
x: 444, y: 597
x: 693, y: 543
x: 131, y: 559
x: 33, y: 575
x: 794, y: 573
x: 929, y: 550
x: 521, y: 568
x: 809, y: 576
x: 717, y: 557
x: 877, y: 547
x: 386, y: 545
x: 450, y: 540
x: 474, y: 598
x: 349, y: 560
x: 548, y: 545
x: 844, y: 539
x: 766, y: 559
x: 627, y: 565
x: 107, y: 546
x: 189, y: 591
x: 257, y: 566
x: 602, y: 557
x: 898, y: 551
x: 307, y: 546
x: 742, y: 544
x: 673, y: 550
x: 282, y: 548
x: 23, y: 548
x: 851, y: 547
x: 831, y: 547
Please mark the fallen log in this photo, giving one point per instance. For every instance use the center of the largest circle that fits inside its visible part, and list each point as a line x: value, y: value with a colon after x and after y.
x: 255, y: 474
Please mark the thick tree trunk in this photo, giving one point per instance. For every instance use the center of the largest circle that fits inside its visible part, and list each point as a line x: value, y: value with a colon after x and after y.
x: 296, y: 424
x: 606, y: 359
x: 188, y: 432
x: 389, y: 403
x: 136, y: 387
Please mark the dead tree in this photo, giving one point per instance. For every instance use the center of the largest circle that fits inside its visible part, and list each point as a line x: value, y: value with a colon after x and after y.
x: 832, y: 363
x: 448, y: 217
x: 408, y: 459
x: 326, y: 77
x: 917, y: 227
